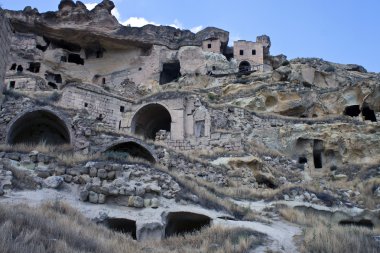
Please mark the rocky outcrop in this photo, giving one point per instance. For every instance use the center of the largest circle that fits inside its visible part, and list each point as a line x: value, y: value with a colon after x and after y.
x: 74, y: 23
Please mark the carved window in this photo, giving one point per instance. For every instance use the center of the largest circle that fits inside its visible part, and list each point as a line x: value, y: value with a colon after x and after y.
x: 12, y: 84
x: 200, y: 128
x: 241, y: 52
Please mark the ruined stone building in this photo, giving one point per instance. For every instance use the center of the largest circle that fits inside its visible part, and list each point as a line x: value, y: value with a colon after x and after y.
x: 230, y: 116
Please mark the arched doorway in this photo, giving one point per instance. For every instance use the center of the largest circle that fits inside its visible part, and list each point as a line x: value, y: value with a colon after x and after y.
x: 133, y: 149
x: 38, y: 126
x: 244, y: 66
x: 150, y: 119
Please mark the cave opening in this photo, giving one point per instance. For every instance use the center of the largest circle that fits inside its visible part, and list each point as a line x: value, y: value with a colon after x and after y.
x: 170, y: 72
x: 302, y: 160
x: 360, y: 223
x: 317, y: 153
x: 34, y: 67
x: 39, y: 126
x: 180, y: 223
x: 352, y: 110
x: 20, y: 68
x: 75, y: 58
x: 66, y: 45
x: 120, y: 225
x: 150, y: 119
x: 244, y: 66
x: 13, y: 67
x: 53, y: 85
x: 132, y: 149
x: 368, y: 113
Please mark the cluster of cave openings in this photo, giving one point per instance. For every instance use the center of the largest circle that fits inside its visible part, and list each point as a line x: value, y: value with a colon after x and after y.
x: 180, y: 223
x: 244, y: 66
x: 360, y: 223
x: 317, y: 153
x: 170, y: 72
x: 120, y: 225
x: 132, y: 149
x: 367, y: 112
x: 37, y: 127
x: 150, y: 119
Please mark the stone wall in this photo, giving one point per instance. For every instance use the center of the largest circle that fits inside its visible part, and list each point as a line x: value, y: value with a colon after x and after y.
x: 105, y: 108
x: 214, y: 46
x: 5, y: 31
x: 253, y: 52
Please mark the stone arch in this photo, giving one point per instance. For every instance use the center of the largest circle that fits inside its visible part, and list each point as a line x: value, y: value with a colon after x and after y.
x: 39, y: 125
x: 245, y: 66
x: 134, y: 148
x: 151, y: 118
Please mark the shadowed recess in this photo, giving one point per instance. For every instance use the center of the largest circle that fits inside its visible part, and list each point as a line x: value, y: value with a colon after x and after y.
x: 360, y: 223
x: 180, y: 223
x: 124, y: 226
x: 39, y: 127
x: 150, y: 119
x: 244, y: 66
x: 132, y: 149
x: 170, y: 72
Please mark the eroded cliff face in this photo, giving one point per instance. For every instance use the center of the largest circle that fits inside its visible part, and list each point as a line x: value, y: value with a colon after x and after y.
x: 74, y: 23
x: 301, y: 130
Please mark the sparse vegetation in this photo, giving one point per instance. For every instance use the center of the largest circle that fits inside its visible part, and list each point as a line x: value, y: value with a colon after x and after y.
x: 56, y: 227
x: 320, y: 235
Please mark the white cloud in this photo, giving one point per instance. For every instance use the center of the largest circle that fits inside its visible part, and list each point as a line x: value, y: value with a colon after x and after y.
x: 197, y: 29
x: 90, y: 6
x: 114, y: 12
x: 176, y: 24
x: 138, y: 22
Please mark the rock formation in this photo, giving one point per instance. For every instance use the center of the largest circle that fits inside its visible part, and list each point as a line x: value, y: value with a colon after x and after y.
x: 159, y: 126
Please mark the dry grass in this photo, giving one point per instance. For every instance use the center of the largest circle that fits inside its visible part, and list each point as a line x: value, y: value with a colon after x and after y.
x: 322, y: 236
x: 56, y: 227
x: 367, y: 189
x: 41, y: 147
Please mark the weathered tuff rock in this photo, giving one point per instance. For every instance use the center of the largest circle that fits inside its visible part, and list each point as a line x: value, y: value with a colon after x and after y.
x: 73, y: 21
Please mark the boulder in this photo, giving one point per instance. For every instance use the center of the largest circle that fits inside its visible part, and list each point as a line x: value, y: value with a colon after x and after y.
x: 53, y: 182
x: 93, y: 197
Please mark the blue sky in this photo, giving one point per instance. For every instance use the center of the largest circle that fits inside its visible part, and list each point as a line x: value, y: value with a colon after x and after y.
x: 342, y: 31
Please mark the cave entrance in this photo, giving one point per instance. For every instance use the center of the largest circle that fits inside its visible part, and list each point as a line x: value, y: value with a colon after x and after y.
x: 40, y: 126
x: 170, y: 72
x: 244, y: 66
x: 75, y: 58
x: 302, y: 160
x: 150, y: 119
x: 368, y: 113
x: 124, y: 226
x: 180, y: 223
x: 317, y: 153
x: 132, y: 149
x: 352, y: 110
x: 360, y: 223
x: 34, y: 67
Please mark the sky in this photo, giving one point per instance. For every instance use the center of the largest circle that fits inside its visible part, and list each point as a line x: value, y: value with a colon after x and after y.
x: 342, y: 31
